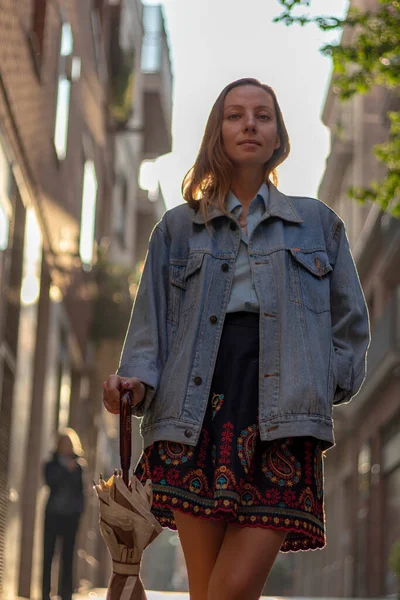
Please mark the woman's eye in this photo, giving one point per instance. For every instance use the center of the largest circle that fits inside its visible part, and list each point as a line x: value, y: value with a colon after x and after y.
x: 264, y: 117
x: 233, y: 116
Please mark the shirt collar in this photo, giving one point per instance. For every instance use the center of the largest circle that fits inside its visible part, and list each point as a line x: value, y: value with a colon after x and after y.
x: 280, y: 206
x: 232, y: 201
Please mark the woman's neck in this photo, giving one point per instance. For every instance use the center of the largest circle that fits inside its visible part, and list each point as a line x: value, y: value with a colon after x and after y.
x: 245, y: 184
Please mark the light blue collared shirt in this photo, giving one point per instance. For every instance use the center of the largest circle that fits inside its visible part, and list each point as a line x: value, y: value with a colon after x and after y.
x: 243, y: 294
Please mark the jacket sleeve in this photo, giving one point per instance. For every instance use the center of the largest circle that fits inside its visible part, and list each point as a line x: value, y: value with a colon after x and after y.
x: 145, y: 346
x: 350, y: 321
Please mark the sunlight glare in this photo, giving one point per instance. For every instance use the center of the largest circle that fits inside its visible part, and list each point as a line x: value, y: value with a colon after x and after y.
x: 88, y: 217
x: 30, y: 288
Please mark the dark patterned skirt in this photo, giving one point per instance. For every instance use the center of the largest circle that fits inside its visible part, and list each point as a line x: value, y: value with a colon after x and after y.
x: 231, y: 474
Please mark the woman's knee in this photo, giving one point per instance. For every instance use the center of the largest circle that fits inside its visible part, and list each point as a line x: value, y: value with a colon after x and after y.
x: 244, y: 563
x: 234, y: 586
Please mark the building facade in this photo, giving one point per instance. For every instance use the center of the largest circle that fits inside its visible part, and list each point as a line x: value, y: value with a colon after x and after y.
x: 141, y: 135
x: 66, y: 107
x: 56, y: 181
x: 362, y: 472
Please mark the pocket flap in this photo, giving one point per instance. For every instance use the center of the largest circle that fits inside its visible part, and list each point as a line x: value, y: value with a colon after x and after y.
x: 193, y: 264
x: 181, y: 270
x: 177, y: 273
x: 316, y: 262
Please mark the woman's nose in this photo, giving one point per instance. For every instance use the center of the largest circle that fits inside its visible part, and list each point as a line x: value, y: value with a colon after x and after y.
x: 249, y: 123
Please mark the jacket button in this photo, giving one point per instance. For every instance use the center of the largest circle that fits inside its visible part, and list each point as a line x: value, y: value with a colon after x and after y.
x: 188, y: 433
x: 213, y: 319
x: 225, y: 267
x: 233, y: 226
x: 198, y: 380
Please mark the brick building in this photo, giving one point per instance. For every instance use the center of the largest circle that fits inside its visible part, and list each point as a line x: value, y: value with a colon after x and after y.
x: 362, y: 473
x: 55, y: 167
x: 59, y: 156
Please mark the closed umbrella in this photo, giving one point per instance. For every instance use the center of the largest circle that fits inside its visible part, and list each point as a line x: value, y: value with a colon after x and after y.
x: 126, y: 521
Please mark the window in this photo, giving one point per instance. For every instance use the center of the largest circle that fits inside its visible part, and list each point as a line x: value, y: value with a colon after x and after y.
x: 5, y: 209
x: 364, y: 470
x: 30, y: 285
x: 152, y: 39
x: 5, y: 205
x: 64, y: 92
x: 88, y: 216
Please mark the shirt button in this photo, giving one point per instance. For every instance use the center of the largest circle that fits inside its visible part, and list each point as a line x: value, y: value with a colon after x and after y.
x: 225, y: 267
x: 198, y: 380
x: 188, y: 433
x: 233, y: 226
x: 213, y: 319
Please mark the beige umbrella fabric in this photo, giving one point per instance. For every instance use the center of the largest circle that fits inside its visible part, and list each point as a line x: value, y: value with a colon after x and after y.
x: 128, y: 526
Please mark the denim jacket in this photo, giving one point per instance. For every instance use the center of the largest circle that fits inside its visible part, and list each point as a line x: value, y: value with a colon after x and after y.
x: 314, y: 326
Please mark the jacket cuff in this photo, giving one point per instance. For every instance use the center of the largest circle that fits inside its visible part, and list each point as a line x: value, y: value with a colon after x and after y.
x: 140, y: 409
x: 150, y: 387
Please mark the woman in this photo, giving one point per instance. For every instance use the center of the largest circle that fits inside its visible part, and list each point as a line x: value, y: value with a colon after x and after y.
x: 65, y: 504
x: 249, y: 324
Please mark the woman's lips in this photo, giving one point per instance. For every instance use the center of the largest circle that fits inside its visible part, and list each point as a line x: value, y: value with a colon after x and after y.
x: 249, y: 145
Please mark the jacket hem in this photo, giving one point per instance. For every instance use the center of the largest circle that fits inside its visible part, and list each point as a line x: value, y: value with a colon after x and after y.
x: 183, y: 432
x: 297, y: 426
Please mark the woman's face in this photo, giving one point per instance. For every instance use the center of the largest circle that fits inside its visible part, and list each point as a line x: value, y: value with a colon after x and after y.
x: 249, y: 126
x: 65, y: 446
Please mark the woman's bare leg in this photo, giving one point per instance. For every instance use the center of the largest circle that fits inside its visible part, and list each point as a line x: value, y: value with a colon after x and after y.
x: 201, y: 540
x: 244, y: 562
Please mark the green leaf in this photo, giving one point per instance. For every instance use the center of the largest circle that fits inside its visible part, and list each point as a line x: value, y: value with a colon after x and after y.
x: 372, y: 58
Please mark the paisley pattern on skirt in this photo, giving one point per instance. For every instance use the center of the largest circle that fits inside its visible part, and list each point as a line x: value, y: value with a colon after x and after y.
x: 231, y: 474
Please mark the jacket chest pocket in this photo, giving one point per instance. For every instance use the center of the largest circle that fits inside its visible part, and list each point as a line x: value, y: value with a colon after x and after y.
x: 183, y: 275
x: 309, y: 279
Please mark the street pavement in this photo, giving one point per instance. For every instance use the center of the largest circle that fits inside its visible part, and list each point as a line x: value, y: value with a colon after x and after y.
x: 100, y: 594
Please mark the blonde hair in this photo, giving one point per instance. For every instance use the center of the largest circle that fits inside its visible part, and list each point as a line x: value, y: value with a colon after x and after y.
x: 209, y: 179
x: 68, y: 432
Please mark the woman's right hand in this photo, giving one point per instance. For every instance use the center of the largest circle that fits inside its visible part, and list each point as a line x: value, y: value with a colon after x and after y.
x: 115, y: 385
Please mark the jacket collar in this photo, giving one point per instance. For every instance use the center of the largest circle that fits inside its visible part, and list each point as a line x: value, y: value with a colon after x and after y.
x: 279, y: 205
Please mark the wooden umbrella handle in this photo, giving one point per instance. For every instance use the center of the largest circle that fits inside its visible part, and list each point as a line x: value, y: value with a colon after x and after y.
x: 125, y: 433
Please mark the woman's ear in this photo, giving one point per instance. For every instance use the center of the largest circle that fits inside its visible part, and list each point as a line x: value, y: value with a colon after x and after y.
x: 277, y: 142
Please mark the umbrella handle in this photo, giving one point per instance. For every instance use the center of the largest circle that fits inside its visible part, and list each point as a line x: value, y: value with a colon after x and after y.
x: 125, y: 433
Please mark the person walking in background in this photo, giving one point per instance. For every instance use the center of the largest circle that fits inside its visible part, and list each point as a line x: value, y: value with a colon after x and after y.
x: 64, y: 476
x: 248, y: 326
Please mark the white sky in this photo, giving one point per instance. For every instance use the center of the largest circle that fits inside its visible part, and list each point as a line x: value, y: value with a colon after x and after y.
x: 214, y: 42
